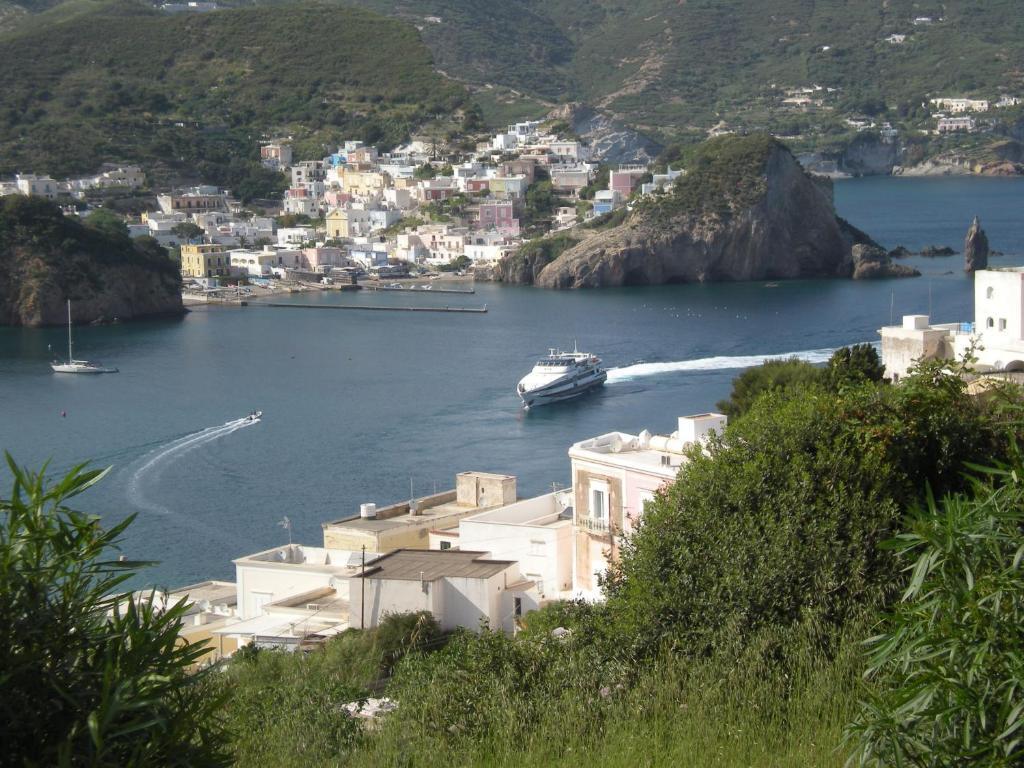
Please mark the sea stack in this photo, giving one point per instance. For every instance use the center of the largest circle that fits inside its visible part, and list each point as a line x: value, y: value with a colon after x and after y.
x: 975, y: 248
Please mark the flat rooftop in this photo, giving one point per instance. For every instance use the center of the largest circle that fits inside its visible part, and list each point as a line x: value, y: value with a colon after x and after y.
x: 433, y: 564
x: 216, y: 592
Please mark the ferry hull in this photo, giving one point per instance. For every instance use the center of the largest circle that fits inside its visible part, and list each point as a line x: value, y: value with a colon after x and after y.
x: 557, y: 392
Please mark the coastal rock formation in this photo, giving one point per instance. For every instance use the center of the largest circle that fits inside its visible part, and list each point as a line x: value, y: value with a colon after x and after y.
x: 871, y: 262
x: 934, y: 251
x: 745, y: 210
x: 975, y: 248
x: 47, y: 258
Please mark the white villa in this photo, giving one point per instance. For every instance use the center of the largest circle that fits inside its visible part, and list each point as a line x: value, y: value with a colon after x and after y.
x: 997, y: 332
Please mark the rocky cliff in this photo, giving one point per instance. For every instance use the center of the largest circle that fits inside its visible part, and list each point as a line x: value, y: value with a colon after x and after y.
x: 745, y: 210
x: 975, y: 248
x: 47, y: 258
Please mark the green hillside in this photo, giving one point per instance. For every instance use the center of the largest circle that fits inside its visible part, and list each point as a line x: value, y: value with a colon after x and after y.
x: 87, y: 83
x: 667, y: 64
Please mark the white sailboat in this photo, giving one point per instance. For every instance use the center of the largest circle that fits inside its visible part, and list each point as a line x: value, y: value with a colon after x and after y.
x: 77, y: 366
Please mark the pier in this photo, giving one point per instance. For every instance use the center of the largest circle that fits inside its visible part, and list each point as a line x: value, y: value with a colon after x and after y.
x: 461, y: 310
x: 418, y: 291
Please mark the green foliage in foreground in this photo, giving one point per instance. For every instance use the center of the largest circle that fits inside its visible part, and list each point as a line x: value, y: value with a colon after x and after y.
x: 947, y: 671
x: 539, y: 701
x: 90, y: 677
x: 780, y: 519
x: 286, y: 708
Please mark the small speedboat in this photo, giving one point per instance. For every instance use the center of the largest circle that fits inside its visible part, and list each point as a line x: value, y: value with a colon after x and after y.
x: 561, y: 376
x: 254, y: 416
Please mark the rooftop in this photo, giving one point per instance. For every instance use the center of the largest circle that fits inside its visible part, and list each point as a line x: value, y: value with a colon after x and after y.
x: 213, y: 592
x: 303, y: 556
x: 433, y: 564
x: 551, y: 509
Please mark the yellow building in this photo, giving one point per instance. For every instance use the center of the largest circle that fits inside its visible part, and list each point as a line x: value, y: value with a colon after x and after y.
x: 364, y: 183
x: 408, y: 525
x: 204, y: 260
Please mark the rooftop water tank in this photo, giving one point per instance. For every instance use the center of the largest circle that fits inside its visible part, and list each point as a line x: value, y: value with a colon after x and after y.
x: 368, y: 511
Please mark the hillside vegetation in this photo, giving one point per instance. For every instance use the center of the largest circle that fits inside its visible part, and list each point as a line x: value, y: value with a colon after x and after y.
x: 47, y: 258
x: 195, y: 92
x: 668, y: 65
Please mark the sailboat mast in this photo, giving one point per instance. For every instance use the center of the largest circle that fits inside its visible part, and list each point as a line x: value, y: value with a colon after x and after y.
x: 69, y: 331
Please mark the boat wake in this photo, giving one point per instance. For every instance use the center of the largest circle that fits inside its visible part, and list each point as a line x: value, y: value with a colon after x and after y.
x: 721, y: 363
x: 153, y: 463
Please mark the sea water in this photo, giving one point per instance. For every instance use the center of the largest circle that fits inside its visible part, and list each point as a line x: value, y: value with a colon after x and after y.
x: 359, y: 405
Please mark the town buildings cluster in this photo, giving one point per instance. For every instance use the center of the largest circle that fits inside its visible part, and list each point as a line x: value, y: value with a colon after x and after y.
x: 476, y: 555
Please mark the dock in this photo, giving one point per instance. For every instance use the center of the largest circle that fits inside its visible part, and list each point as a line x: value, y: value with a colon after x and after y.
x: 419, y: 291
x: 461, y: 310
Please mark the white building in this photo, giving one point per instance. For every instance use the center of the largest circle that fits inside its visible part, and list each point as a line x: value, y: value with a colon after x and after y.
x: 295, y: 235
x: 289, y: 594
x: 461, y: 588
x: 37, y: 186
x: 536, y: 533
x: 959, y: 106
x: 997, y: 332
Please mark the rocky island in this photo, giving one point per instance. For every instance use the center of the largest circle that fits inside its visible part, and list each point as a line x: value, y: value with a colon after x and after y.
x: 745, y: 210
x: 47, y: 258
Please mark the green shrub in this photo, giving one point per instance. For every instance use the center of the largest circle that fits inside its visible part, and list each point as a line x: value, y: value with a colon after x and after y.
x: 90, y: 675
x: 947, y: 669
x: 780, y: 519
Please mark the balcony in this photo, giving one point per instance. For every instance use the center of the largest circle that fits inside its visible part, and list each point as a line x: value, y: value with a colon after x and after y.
x: 593, y: 524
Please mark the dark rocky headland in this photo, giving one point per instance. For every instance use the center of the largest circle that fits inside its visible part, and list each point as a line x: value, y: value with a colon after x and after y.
x: 47, y: 258
x: 745, y: 210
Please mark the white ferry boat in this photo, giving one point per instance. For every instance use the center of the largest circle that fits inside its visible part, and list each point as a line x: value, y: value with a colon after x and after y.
x: 561, y: 376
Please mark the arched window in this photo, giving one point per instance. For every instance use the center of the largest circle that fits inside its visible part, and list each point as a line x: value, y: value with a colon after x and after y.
x: 989, y: 323
x: 989, y: 291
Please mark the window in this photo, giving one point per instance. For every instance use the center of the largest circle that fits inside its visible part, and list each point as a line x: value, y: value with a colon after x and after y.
x: 536, y: 547
x: 989, y: 291
x: 1002, y: 323
x: 989, y: 323
x: 598, y: 511
x: 446, y: 545
x: 517, y: 606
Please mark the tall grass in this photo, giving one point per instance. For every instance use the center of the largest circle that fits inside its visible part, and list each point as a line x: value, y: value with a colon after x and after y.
x: 777, y: 704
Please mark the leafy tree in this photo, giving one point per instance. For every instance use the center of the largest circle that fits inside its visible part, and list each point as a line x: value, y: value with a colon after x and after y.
x: 425, y: 171
x: 770, y: 376
x: 853, y: 365
x: 107, y: 222
x: 947, y: 671
x: 186, y: 230
x: 91, y: 676
x: 779, y: 520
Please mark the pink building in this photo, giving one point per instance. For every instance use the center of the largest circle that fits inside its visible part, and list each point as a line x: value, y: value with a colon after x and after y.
x: 315, y: 259
x: 624, y: 180
x: 613, y: 477
x: 335, y: 198
x: 499, y: 215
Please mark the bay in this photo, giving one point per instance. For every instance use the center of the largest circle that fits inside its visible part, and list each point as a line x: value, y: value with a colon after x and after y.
x: 358, y: 405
